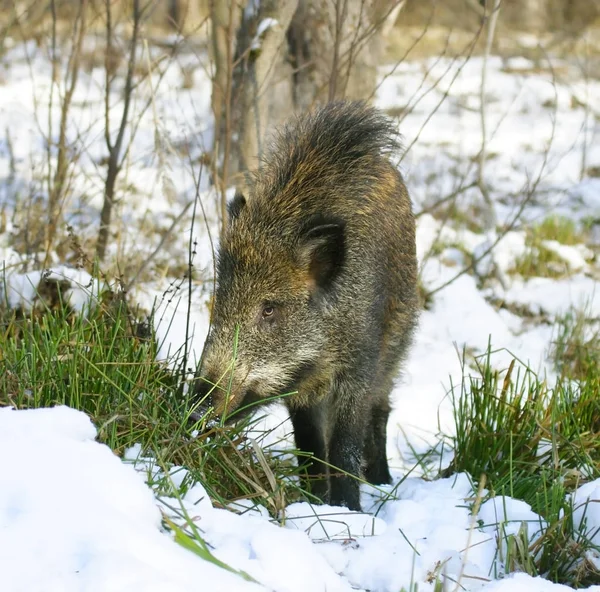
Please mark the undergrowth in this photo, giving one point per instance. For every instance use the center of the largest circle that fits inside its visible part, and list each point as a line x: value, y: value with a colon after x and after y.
x: 540, y: 259
x: 576, y: 347
x: 532, y: 441
x: 536, y: 443
x: 100, y: 362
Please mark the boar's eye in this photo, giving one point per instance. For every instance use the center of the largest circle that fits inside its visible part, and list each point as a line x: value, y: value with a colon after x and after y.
x: 269, y: 313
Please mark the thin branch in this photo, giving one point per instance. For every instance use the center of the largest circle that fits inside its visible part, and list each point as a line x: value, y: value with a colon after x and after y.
x: 107, y: 87
x: 227, y: 143
x: 160, y: 245
x: 128, y: 80
x: 115, y: 158
x: 341, y: 12
x: 445, y: 94
x: 490, y: 221
x: 447, y: 198
x: 58, y: 189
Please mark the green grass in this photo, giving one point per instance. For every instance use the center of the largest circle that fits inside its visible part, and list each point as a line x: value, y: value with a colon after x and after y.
x: 536, y: 443
x: 187, y: 534
x: 97, y: 362
x: 103, y: 362
x: 558, y: 228
x: 541, y: 261
x: 467, y: 216
x: 576, y: 347
x: 532, y: 441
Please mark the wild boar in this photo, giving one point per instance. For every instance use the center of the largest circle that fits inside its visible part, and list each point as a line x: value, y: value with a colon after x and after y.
x: 316, y: 294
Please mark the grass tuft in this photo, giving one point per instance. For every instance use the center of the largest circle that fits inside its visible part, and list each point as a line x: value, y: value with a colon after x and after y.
x: 100, y: 362
x: 541, y: 261
x: 576, y: 348
x: 536, y: 444
x: 558, y: 228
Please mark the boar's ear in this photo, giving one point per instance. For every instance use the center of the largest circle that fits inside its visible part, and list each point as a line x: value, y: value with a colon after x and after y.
x: 236, y: 205
x: 322, y: 249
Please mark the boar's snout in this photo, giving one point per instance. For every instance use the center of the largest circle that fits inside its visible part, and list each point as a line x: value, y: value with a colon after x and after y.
x: 215, y: 404
x: 202, y: 399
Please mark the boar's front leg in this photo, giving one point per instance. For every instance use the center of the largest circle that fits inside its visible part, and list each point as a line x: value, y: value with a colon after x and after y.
x: 309, y: 434
x: 377, y: 470
x: 346, y: 448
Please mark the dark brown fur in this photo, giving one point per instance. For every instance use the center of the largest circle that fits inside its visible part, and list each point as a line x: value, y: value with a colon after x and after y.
x: 316, y: 286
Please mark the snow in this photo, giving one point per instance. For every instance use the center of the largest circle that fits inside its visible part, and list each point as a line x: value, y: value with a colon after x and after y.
x: 73, y: 516
x: 263, y: 27
x: 523, y: 583
x: 555, y: 297
x: 20, y: 290
x: 586, y: 500
x: 576, y: 256
x: 329, y: 522
x: 503, y: 517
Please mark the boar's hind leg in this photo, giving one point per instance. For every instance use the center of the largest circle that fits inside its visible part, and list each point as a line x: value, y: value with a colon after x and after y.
x: 377, y: 471
x: 345, y: 450
x: 309, y: 433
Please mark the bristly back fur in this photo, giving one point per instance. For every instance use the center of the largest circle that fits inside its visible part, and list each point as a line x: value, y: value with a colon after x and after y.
x: 340, y: 135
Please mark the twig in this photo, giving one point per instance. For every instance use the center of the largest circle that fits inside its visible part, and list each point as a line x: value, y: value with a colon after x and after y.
x: 115, y: 161
x: 490, y: 221
x: 474, y: 514
x: 451, y: 196
x: 341, y: 12
x: 57, y: 189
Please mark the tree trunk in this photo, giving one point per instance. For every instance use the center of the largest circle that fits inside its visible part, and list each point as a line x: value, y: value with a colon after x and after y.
x: 287, y: 56
x: 338, y: 48
x: 225, y: 17
x: 264, y: 57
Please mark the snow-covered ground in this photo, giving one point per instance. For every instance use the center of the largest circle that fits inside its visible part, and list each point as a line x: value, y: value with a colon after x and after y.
x: 75, y: 517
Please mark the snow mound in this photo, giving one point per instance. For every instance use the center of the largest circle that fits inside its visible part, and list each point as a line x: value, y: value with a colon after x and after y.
x: 74, y: 517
